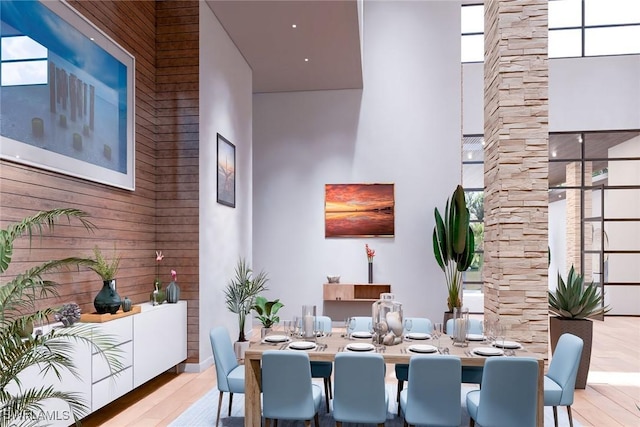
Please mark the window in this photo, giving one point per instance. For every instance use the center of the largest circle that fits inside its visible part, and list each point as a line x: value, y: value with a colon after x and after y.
x: 24, y: 61
x: 473, y: 184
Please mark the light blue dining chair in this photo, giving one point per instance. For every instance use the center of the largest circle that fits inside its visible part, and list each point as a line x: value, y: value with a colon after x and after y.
x: 433, y: 395
x: 418, y: 324
x: 359, y: 394
x: 509, y: 393
x: 475, y: 326
x: 560, y: 381
x: 360, y: 324
x: 229, y: 373
x: 287, y: 390
x: 323, y: 369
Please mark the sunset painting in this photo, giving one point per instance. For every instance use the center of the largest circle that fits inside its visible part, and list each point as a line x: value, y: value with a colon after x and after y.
x: 359, y: 210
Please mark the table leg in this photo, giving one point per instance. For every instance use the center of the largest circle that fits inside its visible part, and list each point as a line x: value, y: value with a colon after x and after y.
x: 540, y: 416
x: 252, y: 381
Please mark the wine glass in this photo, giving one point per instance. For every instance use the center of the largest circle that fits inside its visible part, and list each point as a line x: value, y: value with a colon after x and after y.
x: 408, y: 324
x: 318, y: 329
x: 349, y: 326
x: 501, y: 331
x: 437, y: 333
x: 295, y: 326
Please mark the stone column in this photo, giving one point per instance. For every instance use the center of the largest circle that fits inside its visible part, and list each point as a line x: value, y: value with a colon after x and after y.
x: 574, y: 220
x: 516, y: 168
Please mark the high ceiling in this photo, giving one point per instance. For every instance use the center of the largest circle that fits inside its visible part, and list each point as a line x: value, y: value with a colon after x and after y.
x: 327, y: 34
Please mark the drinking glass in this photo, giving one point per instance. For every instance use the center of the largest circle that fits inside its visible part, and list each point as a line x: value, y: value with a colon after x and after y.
x: 408, y: 324
x: 295, y: 326
x: 437, y: 333
x: 501, y: 331
x: 318, y: 329
x: 349, y: 325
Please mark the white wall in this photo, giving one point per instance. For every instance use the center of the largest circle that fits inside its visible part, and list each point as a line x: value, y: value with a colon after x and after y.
x: 598, y: 93
x: 225, y: 233
x: 402, y: 128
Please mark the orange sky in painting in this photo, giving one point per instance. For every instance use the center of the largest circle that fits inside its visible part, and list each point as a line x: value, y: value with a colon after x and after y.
x: 358, y: 197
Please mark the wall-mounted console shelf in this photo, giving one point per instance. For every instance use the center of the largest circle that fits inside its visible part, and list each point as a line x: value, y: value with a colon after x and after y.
x: 354, y: 291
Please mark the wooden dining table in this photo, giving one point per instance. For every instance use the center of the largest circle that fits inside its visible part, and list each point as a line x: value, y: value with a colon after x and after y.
x: 334, y: 343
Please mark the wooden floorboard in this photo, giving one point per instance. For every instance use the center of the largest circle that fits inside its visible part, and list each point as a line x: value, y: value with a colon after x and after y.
x: 610, y: 399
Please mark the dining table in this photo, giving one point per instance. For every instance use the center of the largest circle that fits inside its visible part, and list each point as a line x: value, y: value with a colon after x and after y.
x: 333, y: 343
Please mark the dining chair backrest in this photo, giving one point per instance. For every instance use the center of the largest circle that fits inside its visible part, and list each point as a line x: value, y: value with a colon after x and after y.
x: 286, y: 386
x: 419, y: 324
x: 359, y: 390
x: 475, y: 326
x: 563, y: 368
x: 361, y: 324
x: 223, y: 356
x: 433, y: 393
x: 509, y: 392
x: 326, y: 323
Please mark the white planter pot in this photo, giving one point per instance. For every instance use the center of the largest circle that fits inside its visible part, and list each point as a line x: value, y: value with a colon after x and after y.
x: 240, y: 348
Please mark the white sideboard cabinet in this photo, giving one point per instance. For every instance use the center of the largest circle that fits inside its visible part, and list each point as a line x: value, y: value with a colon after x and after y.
x: 150, y: 343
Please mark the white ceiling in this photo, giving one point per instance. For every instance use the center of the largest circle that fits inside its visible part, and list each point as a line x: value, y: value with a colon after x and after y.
x: 327, y: 34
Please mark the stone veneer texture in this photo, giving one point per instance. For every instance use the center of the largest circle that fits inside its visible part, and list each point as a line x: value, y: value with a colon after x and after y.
x: 516, y: 81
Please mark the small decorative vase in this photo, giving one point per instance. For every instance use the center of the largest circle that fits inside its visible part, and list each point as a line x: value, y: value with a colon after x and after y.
x: 158, y: 295
x: 107, y: 300
x: 370, y: 272
x: 126, y: 304
x: 173, y: 292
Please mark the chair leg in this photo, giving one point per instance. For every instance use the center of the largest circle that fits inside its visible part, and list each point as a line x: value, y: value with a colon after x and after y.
x: 338, y: 424
x: 400, y: 387
x: 380, y: 424
x: 472, y: 422
x: 330, y: 392
x: 307, y: 423
x: 326, y: 393
x: 219, y: 406
x: 230, y: 402
x: 570, y: 417
x: 275, y: 423
x: 267, y: 422
x: 405, y: 423
x: 555, y: 416
x: 316, y: 419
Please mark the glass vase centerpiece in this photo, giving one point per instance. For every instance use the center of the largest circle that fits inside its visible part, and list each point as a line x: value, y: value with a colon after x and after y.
x: 460, y: 326
x: 387, y: 320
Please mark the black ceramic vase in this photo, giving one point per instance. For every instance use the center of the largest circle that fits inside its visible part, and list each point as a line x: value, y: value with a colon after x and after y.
x: 370, y: 272
x: 107, y: 300
x: 172, y: 292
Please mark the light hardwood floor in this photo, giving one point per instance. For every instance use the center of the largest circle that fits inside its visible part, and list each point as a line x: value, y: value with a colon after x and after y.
x: 610, y: 399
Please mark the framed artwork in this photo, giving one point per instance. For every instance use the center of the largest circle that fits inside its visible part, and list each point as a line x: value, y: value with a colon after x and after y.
x: 359, y: 210
x: 66, y: 94
x: 226, y: 193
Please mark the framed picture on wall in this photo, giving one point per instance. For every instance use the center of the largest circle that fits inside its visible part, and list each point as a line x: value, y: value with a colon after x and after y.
x: 359, y: 210
x: 226, y: 161
x: 67, y: 94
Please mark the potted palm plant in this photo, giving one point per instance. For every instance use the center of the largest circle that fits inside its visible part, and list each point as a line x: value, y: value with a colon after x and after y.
x: 573, y: 303
x: 453, y: 246
x: 47, y: 352
x: 240, y: 294
x: 267, y: 313
x: 108, y: 300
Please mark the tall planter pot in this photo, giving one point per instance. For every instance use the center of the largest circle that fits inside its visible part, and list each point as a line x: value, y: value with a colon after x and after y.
x: 582, y: 328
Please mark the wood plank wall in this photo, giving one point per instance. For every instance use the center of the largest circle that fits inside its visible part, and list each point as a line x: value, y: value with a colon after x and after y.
x: 177, y: 92
x: 162, y: 212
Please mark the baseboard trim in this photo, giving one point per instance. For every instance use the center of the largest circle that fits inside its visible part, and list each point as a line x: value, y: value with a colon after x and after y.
x: 196, y: 368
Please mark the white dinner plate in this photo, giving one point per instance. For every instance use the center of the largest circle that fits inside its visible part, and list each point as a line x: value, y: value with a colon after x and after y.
x: 475, y: 337
x: 361, y: 334
x: 488, y: 351
x: 360, y: 346
x: 276, y: 338
x: 418, y: 336
x: 507, y: 344
x: 422, y: 348
x: 302, y: 345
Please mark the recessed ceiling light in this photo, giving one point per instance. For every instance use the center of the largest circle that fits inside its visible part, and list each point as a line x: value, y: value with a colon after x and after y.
x: 580, y: 139
x: 91, y: 38
x: 294, y: 26
x: 554, y: 153
x: 306, y: 59
x: 469, y: 155
x: 482, y: 139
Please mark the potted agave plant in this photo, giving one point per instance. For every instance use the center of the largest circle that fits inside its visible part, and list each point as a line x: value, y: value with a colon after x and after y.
x: 573, y: 303
x: 453, y: 246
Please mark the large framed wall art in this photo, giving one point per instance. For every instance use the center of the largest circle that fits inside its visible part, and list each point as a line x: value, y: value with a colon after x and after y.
x: 226, y: 193
x: 359, y: 210
x: 66, y: 94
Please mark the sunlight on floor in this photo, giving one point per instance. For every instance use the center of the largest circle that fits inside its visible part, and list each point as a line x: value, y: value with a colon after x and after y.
x: 614, y: 378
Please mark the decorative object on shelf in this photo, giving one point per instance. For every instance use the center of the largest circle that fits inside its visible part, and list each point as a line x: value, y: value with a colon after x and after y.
x: 453, y: 245
x: 267, y: 311
x: 359, y: 210
x: 308, y: 320
x: 159, y: 258
x: 333, y: 279
x: 158, y: 295
x: 460, y: 326
x: 173, y: 290
x: 573, y: 303
x: 126, y: 304
x: 370, y: 254
x: 388, y: 322
x: 239, y: 296
x: 68, y: 314
x: 22, y: 293
x: 107, y: 300
x: 226, y: 191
